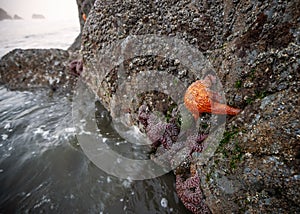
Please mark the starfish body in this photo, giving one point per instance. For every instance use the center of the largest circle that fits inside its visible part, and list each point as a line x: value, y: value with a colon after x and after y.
x: 76, y: 67
x: 158, y: 132
x: 199, y: 98
x: 190, y: 193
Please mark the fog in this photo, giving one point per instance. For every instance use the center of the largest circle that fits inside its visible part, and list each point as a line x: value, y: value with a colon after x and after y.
x: 51, y: 9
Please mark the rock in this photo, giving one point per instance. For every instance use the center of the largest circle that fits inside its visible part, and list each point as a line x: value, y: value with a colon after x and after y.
x: 139, y: 18
x: 4, y: 15
x: 37, y: 16
x: 261, y: 160
x: 84, y: 7
x: 254, y: 46
x: 16, y: 17
x: 36, y: 68
x: 76, y: 44
x: 42, y: 68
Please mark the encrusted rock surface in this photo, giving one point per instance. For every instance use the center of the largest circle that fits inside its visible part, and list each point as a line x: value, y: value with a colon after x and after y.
x: 43, y: 68
x: 36, y: 68
x: 256, y: 167
x: 254, y: 47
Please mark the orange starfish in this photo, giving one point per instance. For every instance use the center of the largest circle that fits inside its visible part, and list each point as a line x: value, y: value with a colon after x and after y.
x: 199, y: 98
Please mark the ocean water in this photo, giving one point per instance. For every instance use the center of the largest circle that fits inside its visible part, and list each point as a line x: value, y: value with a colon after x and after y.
x: 37, y: 34
x: 42, y: 167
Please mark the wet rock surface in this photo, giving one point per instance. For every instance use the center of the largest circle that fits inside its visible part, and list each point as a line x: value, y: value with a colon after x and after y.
x: 256, y: 167
x: 55, y: 69
x: 254, y: 48
x: 36, y: 68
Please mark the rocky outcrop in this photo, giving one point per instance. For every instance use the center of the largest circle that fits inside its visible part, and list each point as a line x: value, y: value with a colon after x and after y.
x: 4, y: 15
x: 38, y: 16
x: 36, y: 68
x: 16, y: 17
x: 43, y: 68
x: 84, y: 7
x: 254, y: 48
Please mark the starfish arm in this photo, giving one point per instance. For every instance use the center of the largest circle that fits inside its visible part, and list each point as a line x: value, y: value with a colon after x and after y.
x: 193, y: 197
x: 219, y: 108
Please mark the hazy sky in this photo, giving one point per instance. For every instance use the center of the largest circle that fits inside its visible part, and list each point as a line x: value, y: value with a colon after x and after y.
x: 51, y: 9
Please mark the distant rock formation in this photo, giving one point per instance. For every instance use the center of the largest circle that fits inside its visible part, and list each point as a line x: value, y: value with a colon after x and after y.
x: 16, y: 17
x: 38, y: 16
x: 4, y: 15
